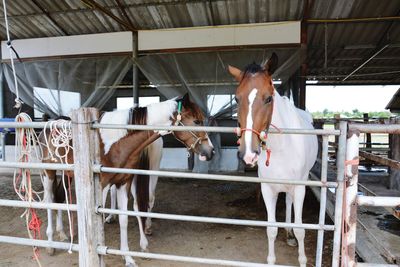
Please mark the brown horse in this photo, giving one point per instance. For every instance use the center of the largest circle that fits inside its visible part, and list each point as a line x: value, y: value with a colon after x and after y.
x: 123, y: 149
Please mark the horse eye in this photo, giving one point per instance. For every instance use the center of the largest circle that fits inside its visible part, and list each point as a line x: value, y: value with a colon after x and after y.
x: 197, y: 122
x: 236, y: 99
x: 268, y: 100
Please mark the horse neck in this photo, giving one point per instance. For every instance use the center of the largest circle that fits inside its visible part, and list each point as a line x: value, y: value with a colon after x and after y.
x: 161, y: 113
x: 283, y: 116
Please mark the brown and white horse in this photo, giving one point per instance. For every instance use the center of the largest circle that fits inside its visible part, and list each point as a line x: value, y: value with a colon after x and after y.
x: 123, y: 149
x: 279, y: 156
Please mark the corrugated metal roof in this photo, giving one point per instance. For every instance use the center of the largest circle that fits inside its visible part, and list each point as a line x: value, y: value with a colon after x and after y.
x: 348, y: 46
x: 394, y: 103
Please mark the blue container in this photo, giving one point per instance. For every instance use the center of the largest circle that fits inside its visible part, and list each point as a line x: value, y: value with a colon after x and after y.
x: 7, y: 129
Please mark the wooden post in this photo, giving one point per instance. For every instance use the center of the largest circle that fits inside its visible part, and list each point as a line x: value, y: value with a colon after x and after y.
x: 87, y: 186
x: 350, y: 211
x: 394, y: 144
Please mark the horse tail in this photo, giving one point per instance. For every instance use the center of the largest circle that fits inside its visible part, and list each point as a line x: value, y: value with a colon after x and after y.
x: 142, y: 185
x: 58, y: 191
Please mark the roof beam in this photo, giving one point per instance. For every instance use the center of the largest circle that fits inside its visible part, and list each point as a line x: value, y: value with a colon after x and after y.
x: 48, y: 16
x: 354, y: 20
x: 382, y: 44
x: 93, y: 4
x: 123, y: 12
x: 274, y: 33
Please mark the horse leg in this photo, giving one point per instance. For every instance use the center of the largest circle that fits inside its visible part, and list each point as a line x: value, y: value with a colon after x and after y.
x: 48, y: 181
x: 152, y: 198
x: 60, y: 226
x: 113, y: 196
x: 290, y: 239
x: 299, y: 193
x: 122, y: 199
x: 143, y: 240
x: 155, y: 154
x: 270, y: 198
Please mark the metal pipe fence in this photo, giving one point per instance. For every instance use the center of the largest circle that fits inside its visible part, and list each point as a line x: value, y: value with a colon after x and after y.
x: 353, y: 200
x: 91, y: 233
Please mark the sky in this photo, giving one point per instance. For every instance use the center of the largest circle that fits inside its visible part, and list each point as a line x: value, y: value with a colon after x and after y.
x: 347, y: 98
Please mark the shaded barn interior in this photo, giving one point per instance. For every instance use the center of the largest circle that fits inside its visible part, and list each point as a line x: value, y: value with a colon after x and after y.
x: 344, y: 42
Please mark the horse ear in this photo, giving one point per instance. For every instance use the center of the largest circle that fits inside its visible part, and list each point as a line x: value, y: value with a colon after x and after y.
x: 235, y: 72
x: 186, y: 100
x: 271, y: 65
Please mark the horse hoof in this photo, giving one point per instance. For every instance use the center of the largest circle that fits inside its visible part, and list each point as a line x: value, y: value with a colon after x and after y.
x: 144, y: 244
x: 50, y: 251
x: 291, y: 242
x: 63, y: 236
x: 148, y: 231
x: 110, y: 219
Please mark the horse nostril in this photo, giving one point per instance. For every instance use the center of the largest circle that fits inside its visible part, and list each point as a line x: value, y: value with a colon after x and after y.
x: 257, y: 152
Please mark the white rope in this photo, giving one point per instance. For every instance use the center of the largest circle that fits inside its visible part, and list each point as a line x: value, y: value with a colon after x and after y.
x: 26, y: 150
x: 18, y: 101
x: 58, y: 146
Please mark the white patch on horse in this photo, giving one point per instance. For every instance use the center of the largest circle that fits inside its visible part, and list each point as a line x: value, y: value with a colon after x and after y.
x: 160, y: 113
x: 249, y: 155
x: 111, y: 136
x: 209, y: 141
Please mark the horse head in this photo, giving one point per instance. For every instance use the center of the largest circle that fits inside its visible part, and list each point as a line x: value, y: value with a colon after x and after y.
x: 255, y: 99
x: 189, y: 114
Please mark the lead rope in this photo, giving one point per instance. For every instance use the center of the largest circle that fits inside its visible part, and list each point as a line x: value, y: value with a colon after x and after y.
x: 18, y: 101
x: 59, y: 138
x: 25, y: 150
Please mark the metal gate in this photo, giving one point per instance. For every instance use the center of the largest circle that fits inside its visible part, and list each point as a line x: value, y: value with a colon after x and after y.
x: 92, y: 248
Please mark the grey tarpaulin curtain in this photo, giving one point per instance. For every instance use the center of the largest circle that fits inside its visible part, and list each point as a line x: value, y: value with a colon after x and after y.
x: 93, y: 80
x: 204, y: 75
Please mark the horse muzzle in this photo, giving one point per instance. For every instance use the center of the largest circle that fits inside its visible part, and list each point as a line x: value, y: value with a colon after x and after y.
x: 206, y: 153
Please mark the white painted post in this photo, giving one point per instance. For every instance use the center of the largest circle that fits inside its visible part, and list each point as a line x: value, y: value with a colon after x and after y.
x: 87, y: 187
x: 350, y: 213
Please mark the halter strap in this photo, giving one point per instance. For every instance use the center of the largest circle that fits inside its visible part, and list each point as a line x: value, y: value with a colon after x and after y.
x: 178, y: 121
x: 262, y: 136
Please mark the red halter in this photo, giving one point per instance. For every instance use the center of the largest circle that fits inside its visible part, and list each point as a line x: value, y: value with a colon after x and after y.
x: 263, y: 136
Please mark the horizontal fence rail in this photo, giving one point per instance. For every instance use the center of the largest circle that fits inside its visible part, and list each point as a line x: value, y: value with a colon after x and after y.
x: 217, y: 220
x: 37, y: 243
x: 219, y: 177
x: 37, y: 205
x: 37, y: 166
x: 102, y: 250
x: 377, y: 201
x: 375, y: 128
x: 215, y: 129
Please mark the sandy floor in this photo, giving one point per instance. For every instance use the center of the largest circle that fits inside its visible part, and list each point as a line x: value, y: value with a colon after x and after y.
x: 230, y: 200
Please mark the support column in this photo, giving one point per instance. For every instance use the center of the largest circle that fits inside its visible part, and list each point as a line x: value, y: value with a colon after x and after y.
x: 394, y: 144
x: 340, y: 159
x: 350, y: 209
x: 87, y: 186
x: 135, y: 70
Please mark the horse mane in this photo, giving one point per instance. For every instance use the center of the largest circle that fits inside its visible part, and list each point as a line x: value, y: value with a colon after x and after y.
x: 194, y: 110
x: 252, y: 68
x: 138, y: 116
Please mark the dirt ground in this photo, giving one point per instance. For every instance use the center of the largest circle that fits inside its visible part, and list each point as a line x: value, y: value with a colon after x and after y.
x: 202, y: 198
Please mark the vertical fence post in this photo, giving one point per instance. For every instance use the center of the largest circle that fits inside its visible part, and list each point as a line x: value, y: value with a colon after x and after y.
x: 323, y: 195
x: 350, y: 215
x: 340, y: 158
x: 88, y: 194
